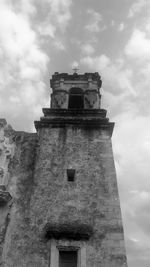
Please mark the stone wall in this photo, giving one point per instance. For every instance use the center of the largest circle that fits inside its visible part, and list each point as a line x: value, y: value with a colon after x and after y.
x: 92, y: 199
x: 17, y: 161
x: 43, y: 198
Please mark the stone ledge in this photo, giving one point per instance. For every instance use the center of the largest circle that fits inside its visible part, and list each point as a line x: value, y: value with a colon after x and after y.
x: 85, y: 124
x: 69, y: 231
x: 74, y: 112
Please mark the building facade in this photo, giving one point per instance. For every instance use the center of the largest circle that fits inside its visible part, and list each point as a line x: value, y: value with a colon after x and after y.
x: 59, y: 202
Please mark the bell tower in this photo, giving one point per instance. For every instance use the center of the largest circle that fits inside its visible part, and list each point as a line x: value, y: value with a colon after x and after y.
x: 75, y: 91
x: 75, y: 204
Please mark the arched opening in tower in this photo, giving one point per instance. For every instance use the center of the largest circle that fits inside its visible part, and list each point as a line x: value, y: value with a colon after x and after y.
x: 76, y: 99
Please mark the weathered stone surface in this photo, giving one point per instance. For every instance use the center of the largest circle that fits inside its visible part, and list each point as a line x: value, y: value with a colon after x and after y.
x: 5, y: 197
x: 92, y: 198
x: 18, y: 170
x: 6, y: 154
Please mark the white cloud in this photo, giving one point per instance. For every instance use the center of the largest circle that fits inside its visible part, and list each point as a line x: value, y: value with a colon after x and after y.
x: 121, y: 27
x: 113, y: 73
x: 138, y: 46
x: 24, y: 61
x: 59, y: 14
x: 95, y: 20
x: 47, y: 29
x: 130, y: 143
x: 138, y: 56
x: 87, y: 49
x: 26, y: 7
x: 59, y: 45
x: 137, y: 7
x: 24, y: 64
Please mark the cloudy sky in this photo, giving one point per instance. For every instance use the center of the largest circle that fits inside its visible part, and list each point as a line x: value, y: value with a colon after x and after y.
x: 112, y: 37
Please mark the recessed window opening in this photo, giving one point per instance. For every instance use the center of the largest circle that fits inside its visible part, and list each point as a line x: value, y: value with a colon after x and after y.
x: 67, y: 258
x: 76, y: 100
x: 71, y: 175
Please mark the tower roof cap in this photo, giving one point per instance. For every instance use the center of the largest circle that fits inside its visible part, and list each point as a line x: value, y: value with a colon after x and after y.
x: 76, y: 77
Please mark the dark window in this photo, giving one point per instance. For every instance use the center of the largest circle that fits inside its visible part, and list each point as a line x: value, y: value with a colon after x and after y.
x: 67, y: 258
x: 76, y: 100
x: 71, y: 175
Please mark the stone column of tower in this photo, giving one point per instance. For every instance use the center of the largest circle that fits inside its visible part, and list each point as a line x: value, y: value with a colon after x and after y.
x: 65, y: 210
